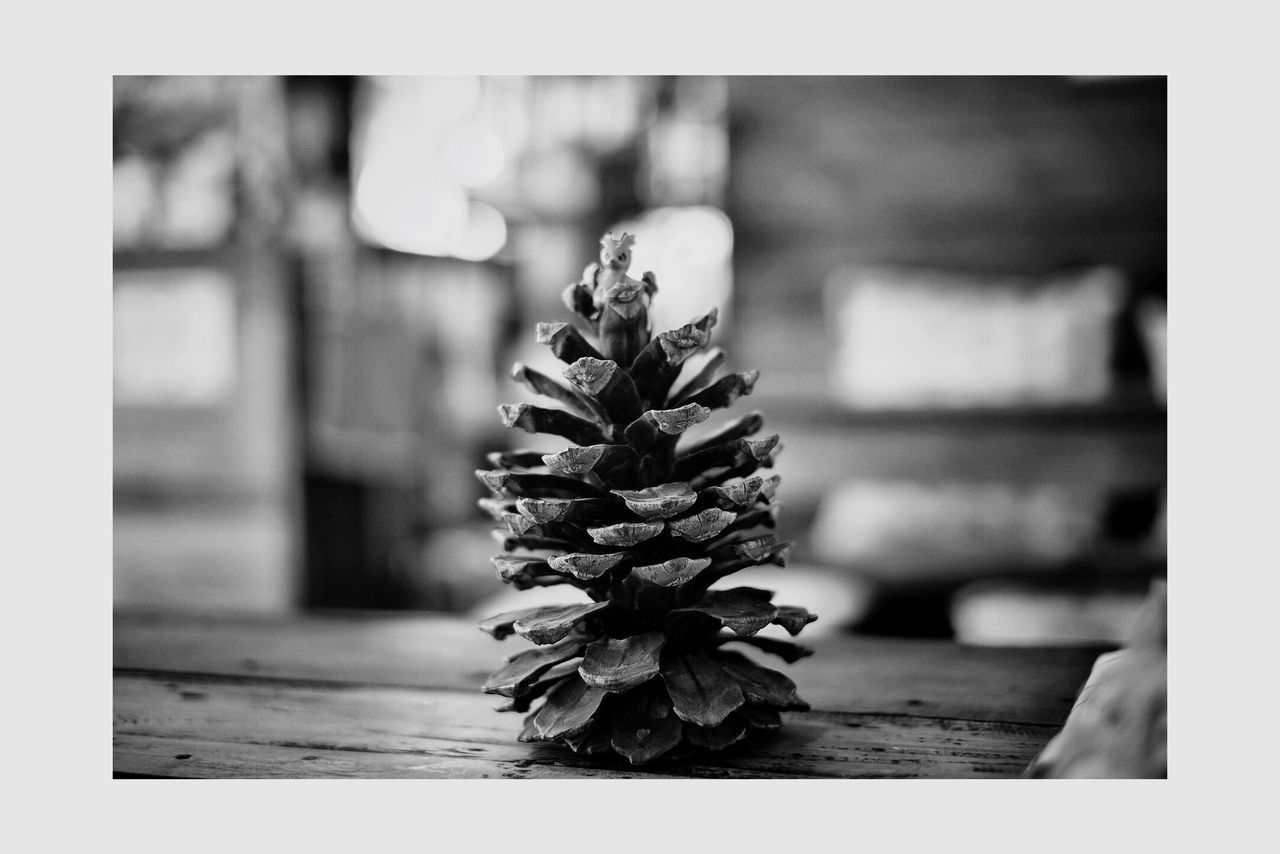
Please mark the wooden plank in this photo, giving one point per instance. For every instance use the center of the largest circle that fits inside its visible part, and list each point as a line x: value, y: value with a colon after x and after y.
x: 941, y: 679
x: 847, y: 673
x: 419, y: 650
x: 251, y: 728
x: 180, y: 757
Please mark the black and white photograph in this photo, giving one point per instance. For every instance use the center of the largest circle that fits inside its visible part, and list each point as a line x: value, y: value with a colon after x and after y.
x: 639, y: 426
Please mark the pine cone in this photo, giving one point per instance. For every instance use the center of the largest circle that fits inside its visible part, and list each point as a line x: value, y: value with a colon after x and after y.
x: 645, y: 523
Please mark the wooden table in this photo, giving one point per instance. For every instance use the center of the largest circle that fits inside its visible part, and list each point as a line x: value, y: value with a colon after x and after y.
x: 397, y: 696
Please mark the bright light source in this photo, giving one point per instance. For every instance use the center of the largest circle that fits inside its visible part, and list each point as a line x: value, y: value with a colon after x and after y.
x: 697, y: 236
x: 475, y: 154
x: 402, y: 205
x: 484, y: 234
x: 419, y: 144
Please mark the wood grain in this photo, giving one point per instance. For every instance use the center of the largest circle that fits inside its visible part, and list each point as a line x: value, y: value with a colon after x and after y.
x: 847, y: 673
x: 268, y: 728
x: 398, y: 696
x: 178, y: 757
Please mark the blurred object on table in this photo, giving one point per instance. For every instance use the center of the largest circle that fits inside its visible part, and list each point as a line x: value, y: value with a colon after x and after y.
x: 1119, y: 725
x: 917, y: 339
x: 1022, y: 613
x: 1037, y: 563
x: 900, y: 530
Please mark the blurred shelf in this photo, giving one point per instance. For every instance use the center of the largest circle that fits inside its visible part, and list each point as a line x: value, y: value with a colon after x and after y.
x: 1130, y: 410
x: 1105, y: 569
x: 1107, y: 561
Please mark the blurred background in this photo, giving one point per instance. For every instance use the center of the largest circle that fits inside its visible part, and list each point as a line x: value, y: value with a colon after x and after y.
x: 954, y: 289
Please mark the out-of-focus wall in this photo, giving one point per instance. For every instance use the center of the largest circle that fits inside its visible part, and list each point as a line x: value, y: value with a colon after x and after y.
x: 946, y: 283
